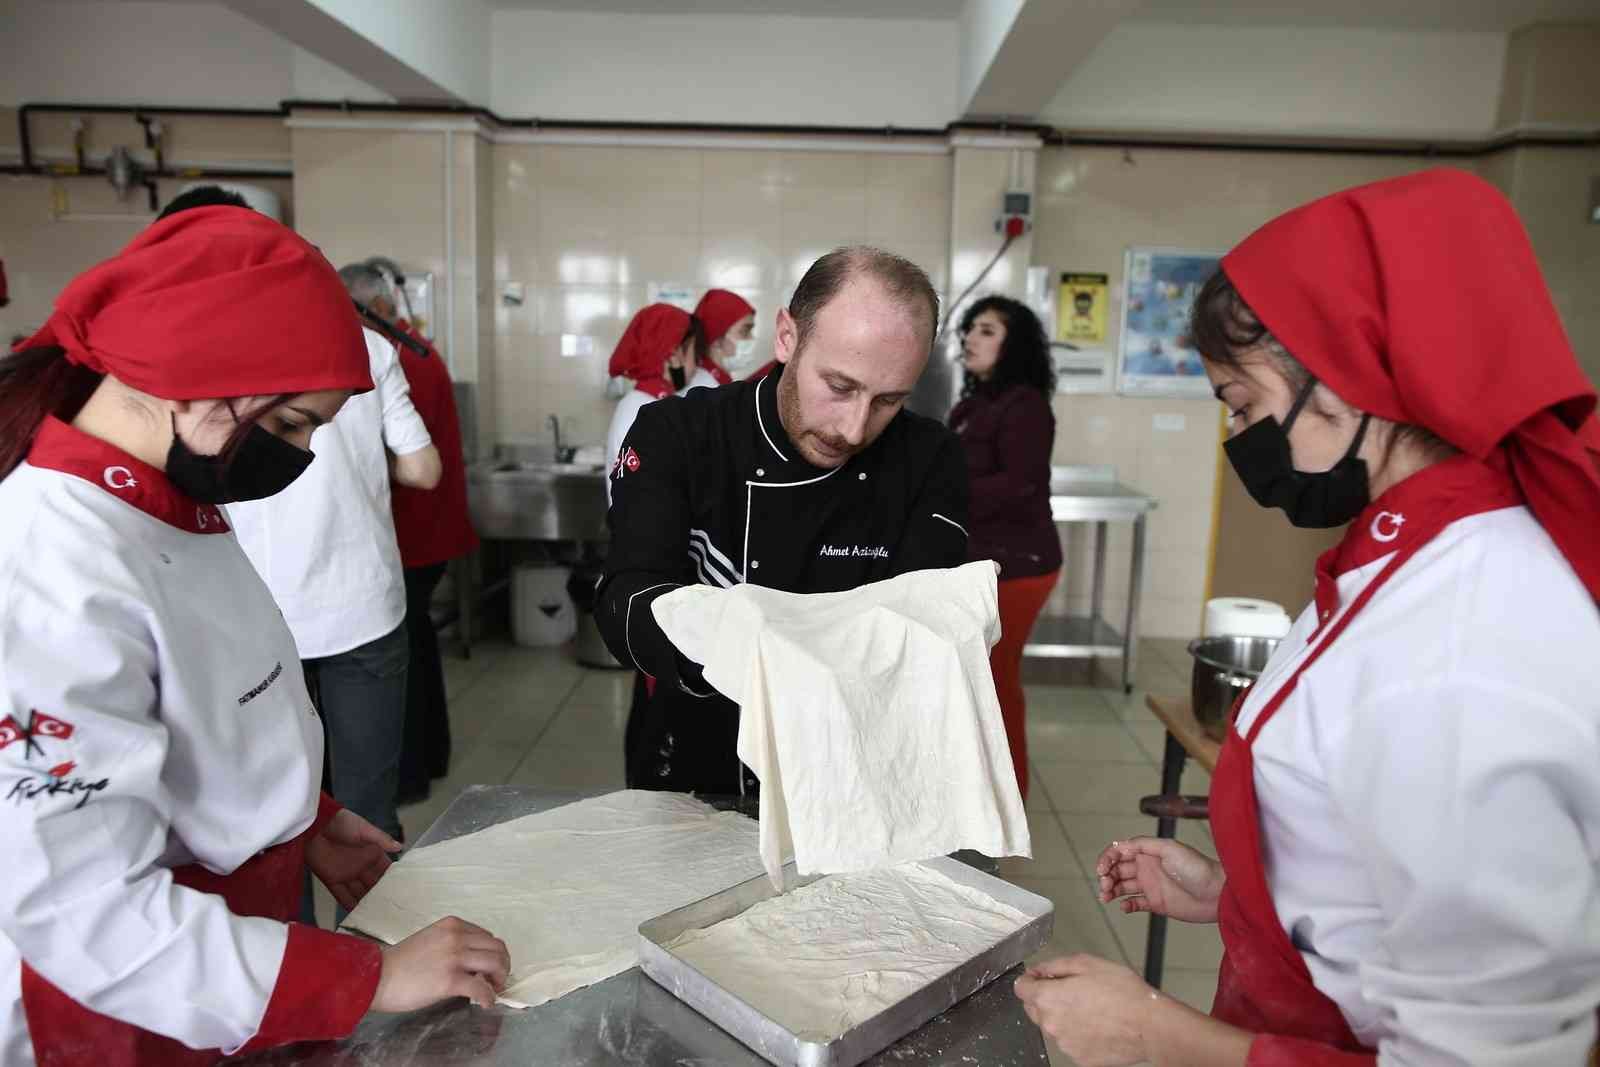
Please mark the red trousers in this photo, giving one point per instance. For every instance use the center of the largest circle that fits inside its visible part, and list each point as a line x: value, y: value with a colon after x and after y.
x: 1021, y: 600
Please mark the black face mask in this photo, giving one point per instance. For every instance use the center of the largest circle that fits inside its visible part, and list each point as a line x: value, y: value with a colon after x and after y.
x: 1261, y: 457
x: 678, y: 375
x: 263, y: 465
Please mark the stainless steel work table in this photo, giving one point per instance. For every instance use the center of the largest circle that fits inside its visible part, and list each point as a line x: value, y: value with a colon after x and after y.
x: 1093, y: 495
x: 628, y: 1019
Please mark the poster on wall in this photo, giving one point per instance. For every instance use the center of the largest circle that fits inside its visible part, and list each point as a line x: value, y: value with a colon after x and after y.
x: 1081, y: 308
x: 682, y: 296
x: 1157, y: 356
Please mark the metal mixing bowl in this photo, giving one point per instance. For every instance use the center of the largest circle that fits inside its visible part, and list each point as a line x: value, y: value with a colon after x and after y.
x: 1224, y: 667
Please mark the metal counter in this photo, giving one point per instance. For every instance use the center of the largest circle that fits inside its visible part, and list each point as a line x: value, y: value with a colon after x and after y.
x: 1093, y: 495
x: 626, y: 1020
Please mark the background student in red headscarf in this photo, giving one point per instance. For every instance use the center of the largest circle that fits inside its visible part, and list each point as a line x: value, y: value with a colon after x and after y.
x: 162, y: 754
x: 728, y: 320
x: 659, y: 352
x: 1407, y: 809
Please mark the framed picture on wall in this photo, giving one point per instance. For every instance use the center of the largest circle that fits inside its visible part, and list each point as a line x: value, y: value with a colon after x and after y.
x: 1156, y: 356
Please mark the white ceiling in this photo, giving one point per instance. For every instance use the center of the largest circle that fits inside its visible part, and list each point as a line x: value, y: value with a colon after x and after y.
x: 1498, y: 16
x: 874, y: 9
x: 1486, y: 15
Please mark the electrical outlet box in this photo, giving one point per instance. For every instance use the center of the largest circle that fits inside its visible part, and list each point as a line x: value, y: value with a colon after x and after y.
x: 1016, y: 214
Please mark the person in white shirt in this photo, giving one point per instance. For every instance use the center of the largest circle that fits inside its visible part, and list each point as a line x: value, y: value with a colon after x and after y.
x: 326, y: 548
x: 160, y: 758
x: 1407, y: 806
x: 659, y: 351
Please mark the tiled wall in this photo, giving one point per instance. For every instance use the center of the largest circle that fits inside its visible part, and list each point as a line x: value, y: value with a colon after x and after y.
x: 52, y: 229
x: 379, y: 190
x: 585, y: 230
x: 1093, y: 204
x: 1551, y: 188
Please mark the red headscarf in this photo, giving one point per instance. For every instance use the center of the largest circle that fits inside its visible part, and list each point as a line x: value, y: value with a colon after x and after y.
x: 1419, y: 300
x: 213, y: 302
x: 718, y: 310
x: 647, y: 342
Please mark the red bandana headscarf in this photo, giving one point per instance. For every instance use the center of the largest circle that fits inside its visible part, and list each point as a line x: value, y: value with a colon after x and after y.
x: 1419, y: 300
x: 213, y: 302
x: 642, y: 352
x: 718, y: 310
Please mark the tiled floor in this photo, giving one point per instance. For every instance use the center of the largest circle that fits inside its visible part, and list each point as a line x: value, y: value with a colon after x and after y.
x: 535, y: 717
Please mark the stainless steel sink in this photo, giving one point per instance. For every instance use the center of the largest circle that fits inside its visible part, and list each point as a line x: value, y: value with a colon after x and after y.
x: 518, y: 499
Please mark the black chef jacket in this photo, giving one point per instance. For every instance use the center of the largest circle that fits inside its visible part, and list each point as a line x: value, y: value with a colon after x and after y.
x: 708, y: 489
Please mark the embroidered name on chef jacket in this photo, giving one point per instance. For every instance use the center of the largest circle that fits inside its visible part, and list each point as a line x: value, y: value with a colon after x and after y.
x: 854, y: 551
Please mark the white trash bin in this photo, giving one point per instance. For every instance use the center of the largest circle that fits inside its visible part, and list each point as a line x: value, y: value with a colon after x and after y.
x: 542, y: 614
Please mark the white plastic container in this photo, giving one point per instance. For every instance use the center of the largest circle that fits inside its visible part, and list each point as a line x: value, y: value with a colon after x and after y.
x: 1233, y: 616
x: 542, y: 614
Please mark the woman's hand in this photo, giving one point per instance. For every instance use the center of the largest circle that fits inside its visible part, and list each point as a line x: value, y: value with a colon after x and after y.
x: 1092, y: 1009
x: 1159, y: 875
x: 349, y: 856
x: 451, y: 958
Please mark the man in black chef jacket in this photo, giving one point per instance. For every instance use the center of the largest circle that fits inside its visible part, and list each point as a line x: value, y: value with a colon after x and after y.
x: 811, y: 480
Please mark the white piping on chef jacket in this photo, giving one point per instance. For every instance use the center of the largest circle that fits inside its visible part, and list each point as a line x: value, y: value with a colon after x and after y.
x: 627, y: 622
x: 749, y: 486
x: 749, y: 493
x: 763, y: 422
x: 952, y: 522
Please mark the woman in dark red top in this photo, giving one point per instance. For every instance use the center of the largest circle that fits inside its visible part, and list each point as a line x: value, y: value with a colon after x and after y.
x: 432, y: 527
x: 1006, y: 424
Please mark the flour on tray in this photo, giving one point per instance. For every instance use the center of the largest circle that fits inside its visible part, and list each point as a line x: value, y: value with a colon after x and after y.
x: 826, y: 957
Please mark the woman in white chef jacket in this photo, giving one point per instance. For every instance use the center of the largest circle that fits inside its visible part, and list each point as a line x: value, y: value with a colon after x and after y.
x: 1407, y: 807
x: 659, y: 352
x: 160, y: 756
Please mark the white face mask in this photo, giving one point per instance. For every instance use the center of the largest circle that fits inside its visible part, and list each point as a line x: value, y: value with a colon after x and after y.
x: 743, y: 350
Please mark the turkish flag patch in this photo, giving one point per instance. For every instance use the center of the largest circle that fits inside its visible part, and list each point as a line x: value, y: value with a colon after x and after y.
x: 43, y: 725
x: 627, y: 463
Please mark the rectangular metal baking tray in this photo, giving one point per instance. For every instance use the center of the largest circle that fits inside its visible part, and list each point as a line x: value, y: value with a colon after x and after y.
x: 780, y: 1046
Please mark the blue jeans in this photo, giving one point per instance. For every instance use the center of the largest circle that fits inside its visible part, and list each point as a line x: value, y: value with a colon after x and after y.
x: 362, y: 696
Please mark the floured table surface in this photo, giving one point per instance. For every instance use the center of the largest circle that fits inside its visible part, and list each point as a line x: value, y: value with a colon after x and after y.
x: 566, y: 889
x: 626, y: 1021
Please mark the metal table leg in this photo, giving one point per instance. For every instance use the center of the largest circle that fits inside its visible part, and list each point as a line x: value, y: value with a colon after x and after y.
x: 1130, y: 634
x: 1155, y: 946
x: 461, y: 575
x: 1097, y: 590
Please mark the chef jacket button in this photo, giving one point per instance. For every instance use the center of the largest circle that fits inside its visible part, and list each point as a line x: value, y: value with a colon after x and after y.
x: 862, y: 476
x: 755, y: 564
x: 761, y: 472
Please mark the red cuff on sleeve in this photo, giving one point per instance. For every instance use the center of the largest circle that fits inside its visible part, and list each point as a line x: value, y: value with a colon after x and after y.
x: 327, y: 808
x: 325, y: 985
x: 1271, y: 1050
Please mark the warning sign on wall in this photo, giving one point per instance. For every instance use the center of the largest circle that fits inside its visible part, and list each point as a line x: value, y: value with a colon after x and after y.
x: 1081, y: 308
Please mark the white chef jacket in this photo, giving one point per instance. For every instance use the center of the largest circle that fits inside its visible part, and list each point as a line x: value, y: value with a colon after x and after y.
x: 1430, y: 801
x: 170, y: 725
x: 627, y: 410
x: 326, y: 545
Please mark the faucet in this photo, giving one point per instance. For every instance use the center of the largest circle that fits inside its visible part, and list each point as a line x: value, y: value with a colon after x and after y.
x: 562, y: 455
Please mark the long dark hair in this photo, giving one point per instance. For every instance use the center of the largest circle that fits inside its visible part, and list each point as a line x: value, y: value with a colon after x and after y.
x: 36, y: 383
x: 1024, y: 351
x: 696, y: 331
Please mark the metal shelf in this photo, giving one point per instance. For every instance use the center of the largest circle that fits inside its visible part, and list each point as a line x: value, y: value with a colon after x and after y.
x: 1072, y: 637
